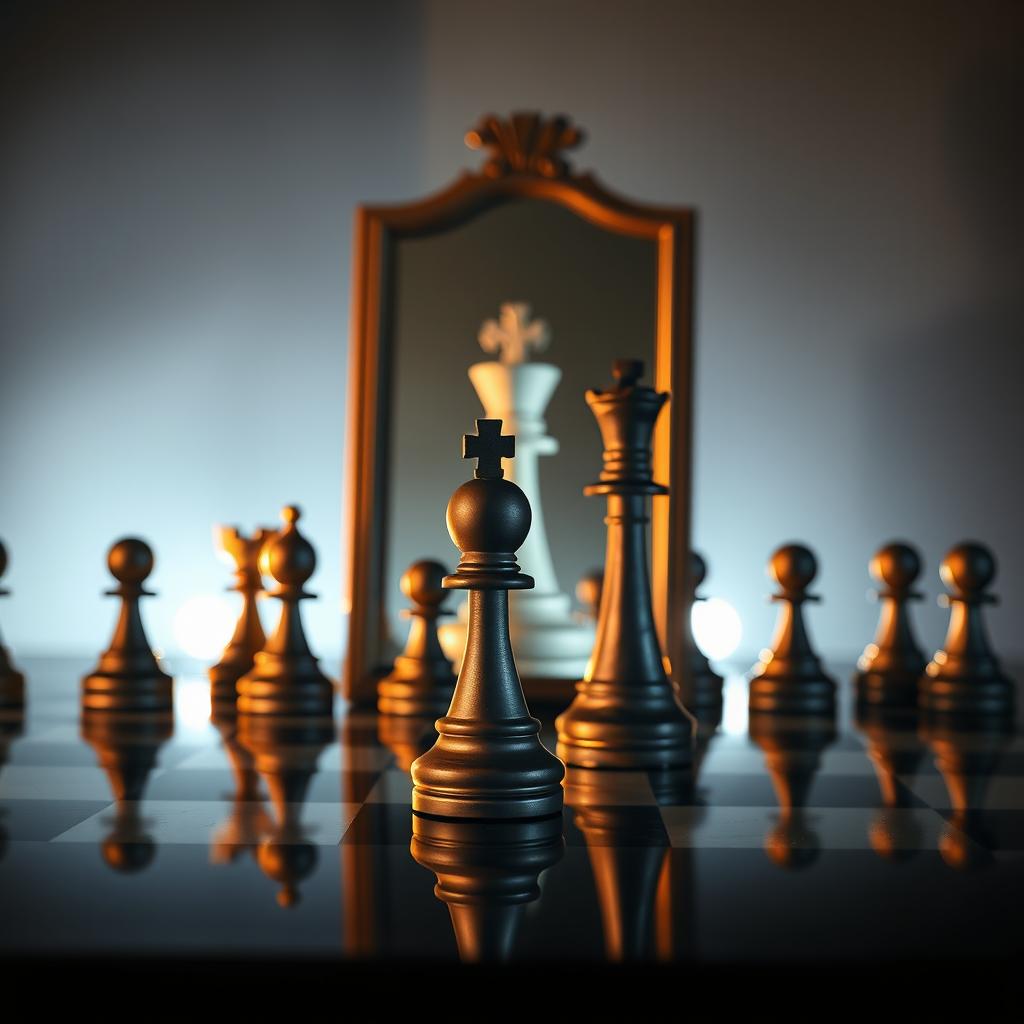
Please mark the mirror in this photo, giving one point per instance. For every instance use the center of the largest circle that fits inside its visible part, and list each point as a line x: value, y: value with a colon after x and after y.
x: 609, y: 279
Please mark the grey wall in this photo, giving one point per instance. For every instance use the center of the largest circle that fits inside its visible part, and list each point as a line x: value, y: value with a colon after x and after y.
x: 176, y: 196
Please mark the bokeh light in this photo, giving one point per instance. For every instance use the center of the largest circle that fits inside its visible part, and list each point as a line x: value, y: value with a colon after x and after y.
x: 203, y: 625
x: 716, y: 627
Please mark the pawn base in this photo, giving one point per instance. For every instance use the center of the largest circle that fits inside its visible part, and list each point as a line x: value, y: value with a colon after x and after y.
x: 993, y: 695
x: 793, y: 695
x: 501, y: 771
x: 886, y: 689
x: 143, y: 692
x: 285, y: 685
x: 612, y: 725
x: 415, y: 689
x: 701, y: 690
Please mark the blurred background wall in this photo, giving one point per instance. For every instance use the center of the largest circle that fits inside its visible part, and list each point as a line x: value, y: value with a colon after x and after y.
x: 176, y: 193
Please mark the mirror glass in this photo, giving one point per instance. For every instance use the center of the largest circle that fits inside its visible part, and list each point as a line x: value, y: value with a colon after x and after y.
x: 596, y: 292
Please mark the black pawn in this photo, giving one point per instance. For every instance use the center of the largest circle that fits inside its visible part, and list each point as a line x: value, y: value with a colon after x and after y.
x: 626, y: 713
x: 128, y: 677
x: 240, y: 654
x: 488, y: 761
x: 965, y: 675
x: 487, y: 872
x: 422, y: 681
x: 789, y: 677
x: 702, y: 687
x: 285, y: 678
x: 892, y: 664
x: 12, y: 682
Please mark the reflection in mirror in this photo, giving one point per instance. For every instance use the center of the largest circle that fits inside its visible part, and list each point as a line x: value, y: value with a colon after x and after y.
x: 595, y: 294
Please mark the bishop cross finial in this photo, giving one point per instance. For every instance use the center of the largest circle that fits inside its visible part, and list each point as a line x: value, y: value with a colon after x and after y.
x: 512, y: 335
x: 488, y: 446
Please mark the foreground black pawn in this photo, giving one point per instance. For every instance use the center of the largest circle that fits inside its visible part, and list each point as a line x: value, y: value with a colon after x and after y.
x: 128, y: 677
x: 488, y: 761
x: 12, y: 682
x: 891, y: 665
x: 789, y: 677
x: 487, y: 872
x: 422, y: 681
x: 248, y: 639
x: 702, y: 686
x: 285, y: 678
x: 965, y: 676
x: 626, y: 714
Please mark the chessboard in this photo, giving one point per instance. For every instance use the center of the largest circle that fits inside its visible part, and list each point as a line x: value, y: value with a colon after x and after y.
x: 798, y: 841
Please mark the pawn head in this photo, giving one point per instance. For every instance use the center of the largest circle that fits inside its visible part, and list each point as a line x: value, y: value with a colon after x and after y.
x: 421, y: 582
x: 489, y: 515
x: 896, y: 565
x: 130, y: 560
x: 698, y: 569
x: 793, y: 567
x: 288, y: 556
x: 968, y: 568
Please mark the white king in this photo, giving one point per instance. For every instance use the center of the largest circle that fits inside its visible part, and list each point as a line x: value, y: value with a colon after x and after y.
x: 548, y: 640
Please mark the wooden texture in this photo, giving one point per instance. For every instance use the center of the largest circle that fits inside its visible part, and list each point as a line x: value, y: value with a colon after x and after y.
x: 526, y: 162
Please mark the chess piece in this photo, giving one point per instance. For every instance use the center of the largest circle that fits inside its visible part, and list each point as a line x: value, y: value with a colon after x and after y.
x: 628, y: 849
x: 406, y: 736
x: 126, y: 746
x: 127, y: 677
x: 249, y: 638
x: 549, y: 641
x: 488, y: 761
x: 626, y: 714
x: 789, y: 678
x: 891, y: 665
x: 285, y: 678
x: 968, y: 750
x: 422, y: 681
x: 965, y: 676
x: 487, y: 872
x: 792, y: 749
x: 285, y: 754
x: 588, y: 593
x: 895, y: 752
x: 12, y: 682
x: 701, y: 685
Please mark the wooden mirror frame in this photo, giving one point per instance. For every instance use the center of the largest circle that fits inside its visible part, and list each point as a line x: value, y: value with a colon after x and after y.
x: 525, y: 162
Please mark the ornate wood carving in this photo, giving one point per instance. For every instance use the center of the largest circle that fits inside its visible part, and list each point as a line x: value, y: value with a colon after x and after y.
x: 525, y: 143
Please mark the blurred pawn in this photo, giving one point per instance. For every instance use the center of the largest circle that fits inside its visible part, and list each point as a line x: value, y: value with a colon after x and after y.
x: 422, y: 681
x: 12, y: 682
x: 892, y: 664
x: 285, y: 678
x: 965, y: 676
x: 588, y: 593
x: 249, y: 638
x: 128, y: 677
x: 789, y: 677
x: 702, y: 687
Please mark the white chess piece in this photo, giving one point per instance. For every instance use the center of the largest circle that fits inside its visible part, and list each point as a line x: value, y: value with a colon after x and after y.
x: 549, y: 642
